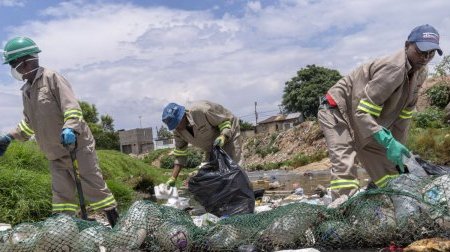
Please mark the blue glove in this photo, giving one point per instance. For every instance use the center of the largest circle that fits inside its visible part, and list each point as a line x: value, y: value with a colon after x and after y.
x: 68, y: 137
x: 4, y: 143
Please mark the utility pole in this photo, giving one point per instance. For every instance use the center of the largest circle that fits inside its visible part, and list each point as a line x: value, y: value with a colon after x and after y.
x: 140, y: 122
x: 256, y: 117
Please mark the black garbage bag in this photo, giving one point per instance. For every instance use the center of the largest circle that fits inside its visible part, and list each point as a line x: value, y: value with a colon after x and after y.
x: 432, y: 169
x: 222, y: 187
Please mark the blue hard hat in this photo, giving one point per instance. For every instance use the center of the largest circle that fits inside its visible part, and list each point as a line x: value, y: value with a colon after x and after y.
x: 172, y: 115
x: 426, y: 38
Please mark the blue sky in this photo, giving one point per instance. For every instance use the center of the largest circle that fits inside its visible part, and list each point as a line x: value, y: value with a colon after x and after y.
x: 130, y: 58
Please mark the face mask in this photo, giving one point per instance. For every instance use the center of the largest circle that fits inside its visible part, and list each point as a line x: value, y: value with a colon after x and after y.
x: 19, y: 76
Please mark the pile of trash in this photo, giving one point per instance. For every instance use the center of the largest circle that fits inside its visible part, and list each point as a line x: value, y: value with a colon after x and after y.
x: 409, y: 209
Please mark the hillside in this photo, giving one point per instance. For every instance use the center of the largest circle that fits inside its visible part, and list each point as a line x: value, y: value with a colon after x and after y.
x: 288, y: 149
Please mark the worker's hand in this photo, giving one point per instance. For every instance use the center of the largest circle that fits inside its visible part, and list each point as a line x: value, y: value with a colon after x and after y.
x: 394, y: 149
x: 4, y: 143
x: 220, y: 141
x: 395, y: 152
x: 68, y: 137
x: 171, y: 182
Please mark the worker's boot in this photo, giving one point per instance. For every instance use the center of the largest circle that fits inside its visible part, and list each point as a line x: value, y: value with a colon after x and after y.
x: 112, y: 216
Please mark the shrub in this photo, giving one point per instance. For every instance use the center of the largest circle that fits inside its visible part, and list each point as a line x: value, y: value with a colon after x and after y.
x: 167, y: 162
x: 432, y: 117
x: 430, y: 144
x: 193, y: 159
x: 302, y: 159
x: 439, y: 95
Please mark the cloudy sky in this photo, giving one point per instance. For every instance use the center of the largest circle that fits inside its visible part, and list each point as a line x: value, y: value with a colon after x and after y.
x: 130, y: 58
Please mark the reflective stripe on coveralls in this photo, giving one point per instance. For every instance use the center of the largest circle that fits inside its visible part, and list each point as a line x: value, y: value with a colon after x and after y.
x: 224, y: 125
x: 180, y: 153
x: 103, y: 203
x: 406, y: 114
x: 369, y: 107
x: 73, y: 114
x: 384, y: 180
x: 25, y: 128
x: 344, y: 184
x: 59, y: 207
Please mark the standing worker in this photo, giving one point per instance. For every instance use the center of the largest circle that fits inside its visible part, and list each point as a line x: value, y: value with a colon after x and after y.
x: 366, y: 115
x: 204, y: 124
x: 52, y: 114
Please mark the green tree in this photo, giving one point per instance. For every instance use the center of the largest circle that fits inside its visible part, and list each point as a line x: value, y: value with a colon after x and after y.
x: 302, y: 92
x: 245, y: 125
x: 90, y: 113
x: 163, y: 133
x: 107, y: 123
x: 443, y: 68
x: 103, y: 129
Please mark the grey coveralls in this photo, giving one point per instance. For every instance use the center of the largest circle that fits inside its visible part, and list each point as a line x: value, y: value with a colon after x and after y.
x: 50, y: 106
x: 208, y: 121
x: 381, y: 93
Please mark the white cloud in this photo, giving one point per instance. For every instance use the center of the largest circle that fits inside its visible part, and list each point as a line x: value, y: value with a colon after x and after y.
x: 10, y: 3
x: 130, y: 61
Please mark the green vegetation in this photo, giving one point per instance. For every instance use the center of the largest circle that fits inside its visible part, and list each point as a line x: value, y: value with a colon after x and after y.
x: 431, y: 144
x: 194, y: 158
x: 302, y: 92
x: 25, y: 186
x: 103, y: 130
x: 432, y: 117
x: 243, y: 125
x: 439, y: 95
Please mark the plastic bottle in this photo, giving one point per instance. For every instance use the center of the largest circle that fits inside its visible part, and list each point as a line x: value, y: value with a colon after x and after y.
x: 413, y: 166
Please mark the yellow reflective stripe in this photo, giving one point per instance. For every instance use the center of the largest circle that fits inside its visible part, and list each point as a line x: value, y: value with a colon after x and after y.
x: 384, y: 180
x: 25, y: 128
x: 225, y: 125
x: 103, y: 203
x: 344, y: 183
x: 406, y: 114
x: 343, y: 186
x: 370, y: 108
x: 180, y: 152
x: 64, y: 207
x: 73, y: 113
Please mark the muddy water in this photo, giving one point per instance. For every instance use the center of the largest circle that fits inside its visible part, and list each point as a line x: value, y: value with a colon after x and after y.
x: 308, y: 181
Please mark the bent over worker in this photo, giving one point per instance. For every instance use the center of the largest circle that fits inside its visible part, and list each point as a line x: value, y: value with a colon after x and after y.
x: 366, y: 115
x: 52, y: 114
x: 204, y: 124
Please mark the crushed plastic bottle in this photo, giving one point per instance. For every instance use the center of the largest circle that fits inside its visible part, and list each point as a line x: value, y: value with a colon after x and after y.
x: 413, y: 166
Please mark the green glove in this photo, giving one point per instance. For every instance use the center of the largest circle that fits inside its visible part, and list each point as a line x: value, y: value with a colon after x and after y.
x: 220, y: 141
x: 394, y: 149
x: 171, y: 182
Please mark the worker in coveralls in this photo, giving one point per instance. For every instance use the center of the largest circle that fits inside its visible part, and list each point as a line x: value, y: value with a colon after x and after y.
x: 366, y: 115
x: 204, y: 124
x: 52, y: 114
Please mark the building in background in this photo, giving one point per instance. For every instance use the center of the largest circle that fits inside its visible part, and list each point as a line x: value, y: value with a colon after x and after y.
x: 279, y: 122
x: 136, y: 141
x: 164, y: 143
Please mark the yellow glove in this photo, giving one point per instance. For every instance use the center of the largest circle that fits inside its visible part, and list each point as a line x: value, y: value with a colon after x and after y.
x: 220, y: 141
x: 171, y: 182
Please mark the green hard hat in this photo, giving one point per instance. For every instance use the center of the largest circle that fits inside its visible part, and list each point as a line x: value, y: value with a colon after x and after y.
x: 19, y: 47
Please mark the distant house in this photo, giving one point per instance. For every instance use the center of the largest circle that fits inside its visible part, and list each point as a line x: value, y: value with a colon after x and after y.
x: 136, y: 141
x: 164, y: 143
x: 279, y: 122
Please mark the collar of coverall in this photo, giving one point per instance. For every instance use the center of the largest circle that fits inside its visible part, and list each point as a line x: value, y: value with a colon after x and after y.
x: 39, y: 73
x: 189, y: 117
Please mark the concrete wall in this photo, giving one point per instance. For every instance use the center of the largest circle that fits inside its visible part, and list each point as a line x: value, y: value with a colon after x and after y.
x: 136, y: 141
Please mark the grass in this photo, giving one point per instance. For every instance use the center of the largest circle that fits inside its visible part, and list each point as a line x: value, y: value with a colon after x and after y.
x: 25, y: 184
x: 431, y: 144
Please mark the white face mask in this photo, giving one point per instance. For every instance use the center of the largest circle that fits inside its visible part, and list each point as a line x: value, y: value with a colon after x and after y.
x: 19, y: 76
